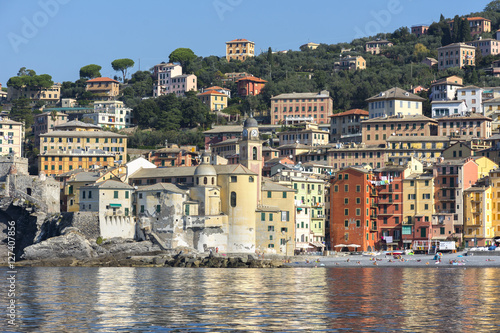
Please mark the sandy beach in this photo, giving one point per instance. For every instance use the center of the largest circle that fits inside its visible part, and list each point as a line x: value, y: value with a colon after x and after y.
x: 455, y: 260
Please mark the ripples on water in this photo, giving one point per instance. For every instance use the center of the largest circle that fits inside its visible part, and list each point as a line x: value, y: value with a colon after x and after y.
x: 262, y: 300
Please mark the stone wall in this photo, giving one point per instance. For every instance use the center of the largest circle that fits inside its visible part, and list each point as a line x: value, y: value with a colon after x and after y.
x: 86, y: 222
x: 7, y: 161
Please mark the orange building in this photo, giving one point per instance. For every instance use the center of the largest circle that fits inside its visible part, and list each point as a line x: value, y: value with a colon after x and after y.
x: 103, y: 88
x: 250, y: 85
x: 353, y: 209
x: 174, y: 156
x: 478, y: 25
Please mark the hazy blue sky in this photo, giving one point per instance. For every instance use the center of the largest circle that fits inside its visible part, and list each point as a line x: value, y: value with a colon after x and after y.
x: 57, y: 37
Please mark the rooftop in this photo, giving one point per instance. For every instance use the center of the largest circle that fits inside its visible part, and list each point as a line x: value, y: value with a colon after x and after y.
x: 252, y: 78
x: 83, y: 134
x: 395, y: 93
x: 102, y: 79
x: 161, y: 187
x: 351, y: 112
x: 392, y: 119
x: 321, y: 94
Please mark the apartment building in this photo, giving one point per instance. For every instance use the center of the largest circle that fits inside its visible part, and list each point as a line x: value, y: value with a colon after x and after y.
x: 427, y: 149
x: 50, y: 96
x: 473, y: 97
x: 376, y: 46
x: 216, y: 101
x: 11, y: 137
x: 440, y: 109
x: 45, y: 122
x: 346, y: 126
x: 111, y: 114
x: 350, y: 154
x: 445, y: 89
x: 250, y: 85
x: 471, y: 124
x: 486, y: 46
x: 305, y: 133
x: 168, y: 79
x: 296, y: 107
x: 103, y: 88
x: 239, y: 49
x: 393, y: 102
x: 456, y: 55
x: 350, y: 63
x: 419, y: 30
x: 375, y: 131
x: 353, y: 209
x: 478, y: 25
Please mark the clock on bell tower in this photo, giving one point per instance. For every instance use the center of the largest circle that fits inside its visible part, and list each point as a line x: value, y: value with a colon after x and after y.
x: 251, y: 149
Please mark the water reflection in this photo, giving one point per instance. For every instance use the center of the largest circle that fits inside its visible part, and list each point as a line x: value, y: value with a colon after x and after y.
x: 206, y: 300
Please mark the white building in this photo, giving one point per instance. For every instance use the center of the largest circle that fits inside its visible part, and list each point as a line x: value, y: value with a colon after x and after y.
x: 111, y: 114
x: 442, y: 109
x: 170, y: 80
x: 393, y: 102
x: 445, y: 89
x: 473, y: 98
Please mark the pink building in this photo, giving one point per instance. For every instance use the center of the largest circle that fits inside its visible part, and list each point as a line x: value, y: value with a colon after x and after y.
x: 170, y: 80
x: 419, y: 30
x: 478, y: 25
x: 299, y: 107
x: 486, y: 46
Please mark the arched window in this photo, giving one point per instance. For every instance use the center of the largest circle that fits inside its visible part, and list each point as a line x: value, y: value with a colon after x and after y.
x: 213, y: 180
x: 254, y: 150
x: 205, y: 180
x: 250, y: 179
x: 197, y: 181
x: 233, y: 199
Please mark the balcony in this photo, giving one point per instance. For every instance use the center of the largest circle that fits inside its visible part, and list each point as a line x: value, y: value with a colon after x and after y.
x: 385, y: 213
x: 373, y: 216
x: 373, y: 226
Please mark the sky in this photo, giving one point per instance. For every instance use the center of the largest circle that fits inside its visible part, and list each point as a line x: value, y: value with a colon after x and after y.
x: 58, y: 37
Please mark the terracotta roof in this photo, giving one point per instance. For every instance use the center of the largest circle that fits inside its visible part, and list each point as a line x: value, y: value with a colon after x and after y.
x: 211, y: 92
x: 352, y: 111
x: 215, y: 88
x: 251, y: 78
x: 102, y: 79
x: 240, y: 40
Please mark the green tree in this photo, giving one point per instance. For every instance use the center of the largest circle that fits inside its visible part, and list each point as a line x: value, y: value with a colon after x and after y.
x: 21, y: 111
x: 182, y: 55
x: 420, y: 51
x: 493, y: 6
x: 464, y: 34
x: 122, y: 65
x: 457, y: 25
x: 90, y: 71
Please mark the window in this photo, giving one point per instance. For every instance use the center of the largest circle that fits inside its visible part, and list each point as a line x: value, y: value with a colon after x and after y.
x: 115, y: 194
x: 346, y: 188
x: 346, y: 201
x: 346, y: 211
x: 269, y: 194
x: 233, y: 199
x: 262, y: 216
x: 284, y: 195
x: 270, y: 217
x: 346, y: 223
x: 270, y: 228
x: 234, y: 179
x: 126, y: 195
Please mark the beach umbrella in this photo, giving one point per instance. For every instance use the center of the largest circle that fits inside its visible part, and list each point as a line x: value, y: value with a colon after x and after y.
x: 340, y: 245
x: 353, y: 245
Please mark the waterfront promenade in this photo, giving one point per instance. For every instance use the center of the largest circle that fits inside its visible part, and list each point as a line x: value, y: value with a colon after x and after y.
x: 455, y: 260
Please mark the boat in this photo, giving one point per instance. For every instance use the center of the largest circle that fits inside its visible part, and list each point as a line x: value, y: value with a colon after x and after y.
x: 371, y: 254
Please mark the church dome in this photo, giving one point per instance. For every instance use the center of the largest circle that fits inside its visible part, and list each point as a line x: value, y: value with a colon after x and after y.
x: 205, y: 170
x: 250, y: 122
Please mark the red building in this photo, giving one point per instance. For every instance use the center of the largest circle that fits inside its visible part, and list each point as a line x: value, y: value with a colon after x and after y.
x: 419, y: 30
x: 174, y: 156
x: 390, y: 206
x: 353, y: 209
x: 250, y: 85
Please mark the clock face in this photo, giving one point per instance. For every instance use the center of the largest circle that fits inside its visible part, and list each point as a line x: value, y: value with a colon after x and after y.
x: 245, y: 132
x: 254, y: 132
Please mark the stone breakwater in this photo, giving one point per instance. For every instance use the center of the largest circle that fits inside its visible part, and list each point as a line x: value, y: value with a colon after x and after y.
x: 162, y: 260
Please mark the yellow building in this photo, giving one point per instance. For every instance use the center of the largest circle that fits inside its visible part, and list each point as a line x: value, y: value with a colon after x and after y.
x: 239, y: 49
x: 76, y: 144
x: 350, y: 63
x: 484, y: 166
x: 479, y: 228
x: 418, y: 208
x: 310, y: 46
x: 215, y: 100
x: 394, y: 102
x: 400, y: 149
x: 495, y: 207
x: 103, y: 88
x: 50, y: 96
x: 11, y: 137
x: 275, y: 219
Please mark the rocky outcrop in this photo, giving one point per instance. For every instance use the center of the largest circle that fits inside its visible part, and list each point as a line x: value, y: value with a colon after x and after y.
x: 70, y: 245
